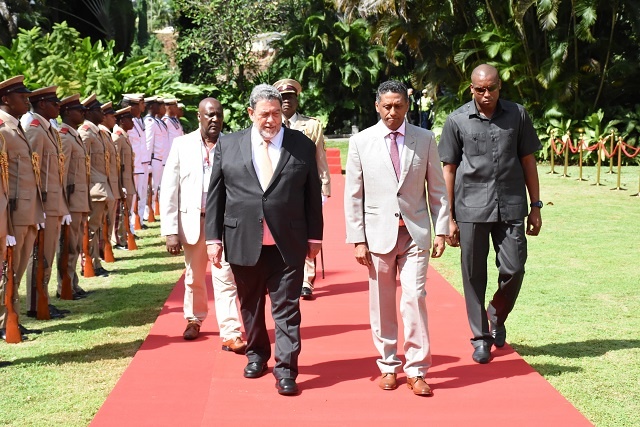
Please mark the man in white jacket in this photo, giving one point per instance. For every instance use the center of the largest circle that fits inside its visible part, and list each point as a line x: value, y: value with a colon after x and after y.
x: 182, y: 205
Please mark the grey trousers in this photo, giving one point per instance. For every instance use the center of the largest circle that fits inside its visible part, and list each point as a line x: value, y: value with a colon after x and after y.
x: 510, y: 245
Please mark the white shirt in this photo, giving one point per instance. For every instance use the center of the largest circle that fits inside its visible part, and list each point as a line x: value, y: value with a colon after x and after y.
x: 383, y: 132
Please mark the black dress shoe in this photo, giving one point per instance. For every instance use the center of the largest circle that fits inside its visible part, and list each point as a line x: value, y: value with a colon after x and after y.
x: 4, y: 363
x: 121, y: 247
x: 32, y: 313
x: 306, y: 294
x: 499, y: 334
x: 482, y: 353
x: 3, y: 335
x: 101, y: 272
x: 58, y: 310
x: 145, y: 226
x: 82, y: 292
x: 29, y: 331
x: 74, y: 296
x: 287, y: 386
x: 255, y: 370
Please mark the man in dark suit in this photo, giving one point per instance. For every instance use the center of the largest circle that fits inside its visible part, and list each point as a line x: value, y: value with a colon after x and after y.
x: 264, y: 203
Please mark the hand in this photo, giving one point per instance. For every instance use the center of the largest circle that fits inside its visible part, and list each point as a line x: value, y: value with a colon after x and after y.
x: 324, y: 199
x: 438, y: 246
x: 173, y: 244
x: 11, y: 241
x: 453, y: 239
x: 313, y: 249
x: 214, y: 252
x: 41, y: 226
x: 534, y: 222
x: 66, y: 220
x: 363, y: 256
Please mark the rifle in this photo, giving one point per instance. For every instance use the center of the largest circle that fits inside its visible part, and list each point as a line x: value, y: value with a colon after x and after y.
x: 12, y: 331
x: 136, y: 224
x: 152, y: 217
x: 37, y: 278
x: 66, y: 291
x: 131, y: 241
x: 108, y: 251
x: 88, y: 261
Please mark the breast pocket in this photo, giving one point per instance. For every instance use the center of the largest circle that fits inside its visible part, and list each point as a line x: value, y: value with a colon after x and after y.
x: 475, y: 144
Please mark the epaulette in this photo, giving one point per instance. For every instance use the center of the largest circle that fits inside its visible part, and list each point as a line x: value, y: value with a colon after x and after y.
x: 35, y: 123
x: 85, y: 127
x: 148, y: 118
x: 118, y: 132
x: 1, y: 122
x: 64, y: 131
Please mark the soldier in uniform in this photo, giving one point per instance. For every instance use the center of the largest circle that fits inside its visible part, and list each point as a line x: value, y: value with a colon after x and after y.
x: 25, y: 205
x: 142, y: 156
x: 157, y: 137
x: 312, y: 128
x: 124, y: 123
x: 77, y: 168
x: 172, y: 121
x: 45, y: 140
x: 100, y: 190
x: 108, y: 122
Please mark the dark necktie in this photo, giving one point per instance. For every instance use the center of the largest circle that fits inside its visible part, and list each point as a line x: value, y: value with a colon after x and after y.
x: 395, y: 154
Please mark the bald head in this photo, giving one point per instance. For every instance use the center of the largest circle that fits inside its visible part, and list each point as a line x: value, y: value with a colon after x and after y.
x: 211, y: 118
x: 484, y: 71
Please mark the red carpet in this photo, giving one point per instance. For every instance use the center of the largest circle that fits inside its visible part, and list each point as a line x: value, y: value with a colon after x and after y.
x: 172, y: 382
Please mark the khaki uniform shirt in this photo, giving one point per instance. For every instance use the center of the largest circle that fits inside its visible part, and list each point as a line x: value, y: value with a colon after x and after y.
x: 312, y: 128
x: 123, y: 146
x: 99, y: 189
x: 77, y: 173
x: 114, y: 163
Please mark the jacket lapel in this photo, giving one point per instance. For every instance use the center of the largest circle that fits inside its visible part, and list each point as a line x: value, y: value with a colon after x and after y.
x: 407, y: 153
x: 383, y: 152
x: 245, y: 149
x: 285, y: 154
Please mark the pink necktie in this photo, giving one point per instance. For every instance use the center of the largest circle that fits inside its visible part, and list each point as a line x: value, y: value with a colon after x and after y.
x: 395, y: 154
x: 266, y: 172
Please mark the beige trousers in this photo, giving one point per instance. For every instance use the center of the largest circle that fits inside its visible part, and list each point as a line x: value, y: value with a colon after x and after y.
x: 76, y: 233
x: 51, y: 241
x: 96, y: 216
x: 225, y: 291
x: 411, y: 263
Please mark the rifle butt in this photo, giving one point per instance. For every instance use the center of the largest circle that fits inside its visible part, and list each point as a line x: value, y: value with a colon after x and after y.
x: 108, y: 250
x: 88, y: 270
x: 12, y: 330
x: 42, y: 308
x: 66, y: 291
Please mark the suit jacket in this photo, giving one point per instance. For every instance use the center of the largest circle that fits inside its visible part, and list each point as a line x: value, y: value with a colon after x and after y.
x: 312, y: 128
x: 100, y: 189
x: 157, y: 138
x: 181, y: 195
x: 237, y: 205
x: 125, y: 150
x: 43, y: 139
x: 76, y: 177
x: 22, y: 179
x: 374, y: 198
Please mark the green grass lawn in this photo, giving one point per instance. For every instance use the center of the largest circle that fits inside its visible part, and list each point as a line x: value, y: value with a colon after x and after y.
x: 576, y: 321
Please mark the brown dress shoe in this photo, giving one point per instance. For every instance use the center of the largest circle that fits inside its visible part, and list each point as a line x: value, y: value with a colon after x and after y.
x: 234, y: 344
x: 388, y: 382
x: 192, y: 331
x: 419, y: 386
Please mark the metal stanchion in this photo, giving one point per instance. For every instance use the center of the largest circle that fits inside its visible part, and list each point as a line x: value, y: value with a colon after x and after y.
x: 581, y: 147
x: 619, y: 146
x: 599, y: 163
x: 552, y: 153
x: 567, y: 146
x: 611, y: 146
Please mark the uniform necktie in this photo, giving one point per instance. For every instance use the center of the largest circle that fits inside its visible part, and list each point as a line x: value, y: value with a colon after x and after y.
x: 395, y: 154
x: 266, y: 173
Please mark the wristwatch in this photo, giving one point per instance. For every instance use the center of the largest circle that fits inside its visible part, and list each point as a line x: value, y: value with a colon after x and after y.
x: 537, y: 204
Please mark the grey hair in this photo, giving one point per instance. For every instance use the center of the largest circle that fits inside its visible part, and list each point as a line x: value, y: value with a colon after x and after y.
x: 264, y: 92
x: 393, y: 86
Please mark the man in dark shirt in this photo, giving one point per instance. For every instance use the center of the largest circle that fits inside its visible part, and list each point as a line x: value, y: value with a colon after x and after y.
x: 487, y: 147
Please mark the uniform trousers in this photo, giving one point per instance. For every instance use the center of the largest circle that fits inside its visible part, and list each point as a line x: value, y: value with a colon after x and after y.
x: 157, y: 168
x: 141, y: 181
x: 411, y: 263
x: 25, y: 236
x: 51, y: 241
x: 112, y: 207
x: 76, y: 234
x: 96, y: 218
x: 510, y: 245
x: 282, y: 282
x: 224, y: 289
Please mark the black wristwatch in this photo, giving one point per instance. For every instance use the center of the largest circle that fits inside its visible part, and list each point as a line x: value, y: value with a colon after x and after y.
x: 537, y: 204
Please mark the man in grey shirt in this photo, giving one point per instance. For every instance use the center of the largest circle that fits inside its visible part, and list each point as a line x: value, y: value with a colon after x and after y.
x: 487, y: 147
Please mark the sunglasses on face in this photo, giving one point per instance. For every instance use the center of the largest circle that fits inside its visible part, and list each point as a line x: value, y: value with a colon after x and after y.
x: 481, y: 90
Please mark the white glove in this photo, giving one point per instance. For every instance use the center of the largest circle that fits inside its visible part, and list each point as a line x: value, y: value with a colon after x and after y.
x: 41, y: 226
x: 66, y: 220
x: 124, y: 191
x: 44, y: 214
x: 324, y: 199
x: 11, y: 241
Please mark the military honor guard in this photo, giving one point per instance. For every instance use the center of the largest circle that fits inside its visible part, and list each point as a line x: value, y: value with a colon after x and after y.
x: 157, y: 138
x: 77, y: 169
x: 312, y: 128
x: 45, y: 141
x: 124, y: 123
x: 25, y: 205
x: 108, y: 122
x: 100, y: 189
x: 171, y: 120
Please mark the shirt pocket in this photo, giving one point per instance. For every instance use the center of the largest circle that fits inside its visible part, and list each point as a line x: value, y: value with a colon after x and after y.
x: 475, y: 195
x: 475, y: 144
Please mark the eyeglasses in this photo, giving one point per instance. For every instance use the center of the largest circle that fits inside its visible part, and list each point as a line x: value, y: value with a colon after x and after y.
x: 482, y: 90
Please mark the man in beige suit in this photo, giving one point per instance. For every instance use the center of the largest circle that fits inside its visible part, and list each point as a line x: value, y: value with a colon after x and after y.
x: 77, y: 187
x: 99, y: 189
x: 185, y: 183
x: 290, y: 90
x: 45, y: 141
x: 389, y: 168
x: 25, y: 205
